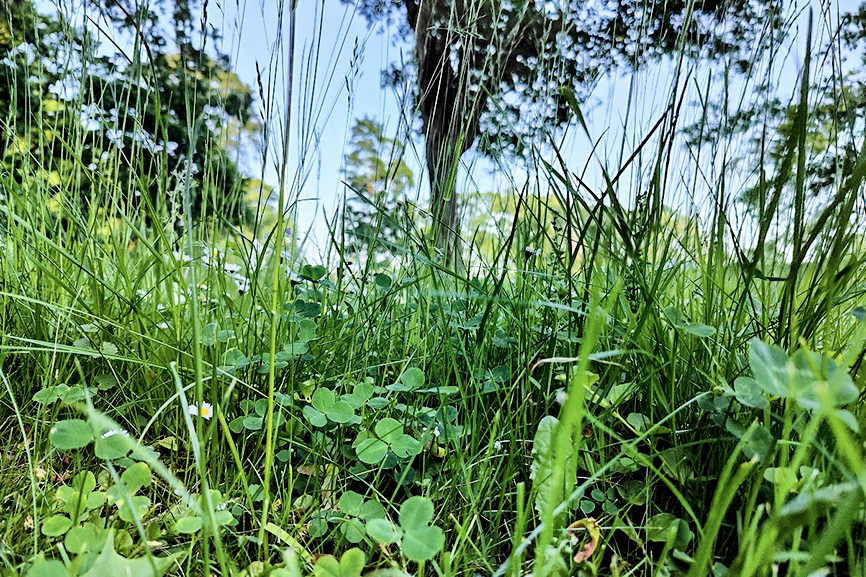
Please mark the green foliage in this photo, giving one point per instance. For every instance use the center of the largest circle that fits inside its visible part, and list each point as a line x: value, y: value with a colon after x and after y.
x: 417, y: 539
x: 386, y: 437
x: 351, y: 564
x: 379, y: 184
x: 84, y: 124
x: 358, y: 512
x: 508, y: 66
x: 613, y: 388
x: 110, y: 563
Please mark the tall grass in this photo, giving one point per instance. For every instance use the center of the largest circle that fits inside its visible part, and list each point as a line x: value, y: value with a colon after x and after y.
x: 632, y: 323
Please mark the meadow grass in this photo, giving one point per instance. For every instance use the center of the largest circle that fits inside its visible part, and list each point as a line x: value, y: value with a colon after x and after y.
x: 653, y: 399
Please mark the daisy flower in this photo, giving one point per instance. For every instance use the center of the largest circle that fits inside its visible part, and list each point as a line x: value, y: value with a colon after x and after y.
x: 112, y: 432
x: 204, y: 411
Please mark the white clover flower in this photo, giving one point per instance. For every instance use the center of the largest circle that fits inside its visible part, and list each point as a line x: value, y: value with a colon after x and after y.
x: 111, y: 432
x: 205, y: 411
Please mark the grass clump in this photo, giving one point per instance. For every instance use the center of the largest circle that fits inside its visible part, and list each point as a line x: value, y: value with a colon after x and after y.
x: 600, y: 388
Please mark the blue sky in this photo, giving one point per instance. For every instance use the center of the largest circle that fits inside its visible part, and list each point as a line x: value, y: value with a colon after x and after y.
x: 348, y: 58
x: 338, y: 63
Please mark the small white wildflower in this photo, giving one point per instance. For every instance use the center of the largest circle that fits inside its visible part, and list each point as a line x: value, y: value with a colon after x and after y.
x: 91, y: 117
x: 66, y: 89
x: 497, y: 445
x: 436, y: 432
x: 178, y: 295
x: 242, y: 283
x: 29, y: 50
x: 111, y: 432
x: 205, y: 411
x: 561, y: 396
x: 115, y: 136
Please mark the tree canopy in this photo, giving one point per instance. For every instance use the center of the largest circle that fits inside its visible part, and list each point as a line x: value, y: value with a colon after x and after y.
x: 125, y: 126
x: 377, y: 178
x: 492, y: 72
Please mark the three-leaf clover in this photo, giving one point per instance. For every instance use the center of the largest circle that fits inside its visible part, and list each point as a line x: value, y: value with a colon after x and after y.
x: 192, y: 522
x: 326, y: 407
x: 358, y: 511
x: 387, y: 435
x: 129, y: 505
x: 255, y: 413
x: 418, y: 540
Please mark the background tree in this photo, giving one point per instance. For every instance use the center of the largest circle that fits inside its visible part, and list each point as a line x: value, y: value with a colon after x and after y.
x: 122, y: 128
x: 377, y: 179
x: 491, y: 72
x: 827, y: 129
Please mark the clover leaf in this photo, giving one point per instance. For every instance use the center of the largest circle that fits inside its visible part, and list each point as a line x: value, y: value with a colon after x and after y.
x: 387, y: 435
x: 192, y: 523
x: 70, y: 434
x: 81, y: 497
x: 411, y: 380
x: 361, y: 393
x: 357, y: 511
x: 324, y: 406
x: 351, y: 564
x: 418, y: 540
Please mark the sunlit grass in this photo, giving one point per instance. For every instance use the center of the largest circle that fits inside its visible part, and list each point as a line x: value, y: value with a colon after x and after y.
x: 216, y: 402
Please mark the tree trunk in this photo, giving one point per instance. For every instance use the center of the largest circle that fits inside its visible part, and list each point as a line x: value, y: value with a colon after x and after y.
x: 450, y: 116
x: 441, y: 165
